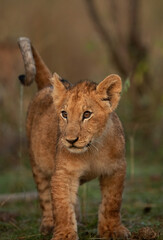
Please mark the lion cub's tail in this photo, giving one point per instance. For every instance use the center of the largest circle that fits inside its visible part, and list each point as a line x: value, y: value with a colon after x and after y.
x: 35, y: 68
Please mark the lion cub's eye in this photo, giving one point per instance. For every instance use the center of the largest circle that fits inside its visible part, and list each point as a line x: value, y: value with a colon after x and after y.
x: 64, y: 114
x: 87, y: 114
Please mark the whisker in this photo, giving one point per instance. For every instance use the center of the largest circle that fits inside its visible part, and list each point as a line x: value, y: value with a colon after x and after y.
x: 94, y: 147
x: 97, y: 141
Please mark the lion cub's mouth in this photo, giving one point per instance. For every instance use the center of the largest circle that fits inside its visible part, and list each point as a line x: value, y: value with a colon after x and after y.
x: 73, y: 146
x: 78, y: 149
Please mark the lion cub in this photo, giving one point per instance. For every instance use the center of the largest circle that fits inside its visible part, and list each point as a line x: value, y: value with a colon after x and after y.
x: 75, y: 136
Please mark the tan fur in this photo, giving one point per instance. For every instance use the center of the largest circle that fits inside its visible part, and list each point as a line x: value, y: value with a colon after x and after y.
x: 99, y: 151
x: 35, y: 67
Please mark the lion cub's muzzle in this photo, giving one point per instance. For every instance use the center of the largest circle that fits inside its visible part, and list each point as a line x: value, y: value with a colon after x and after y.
x: 73, y: 145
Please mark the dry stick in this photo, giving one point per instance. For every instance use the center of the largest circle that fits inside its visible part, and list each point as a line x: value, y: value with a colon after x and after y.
x: 34, y: 235
x: 119, y: 57
x: 95, y: 238
x: 132, y: 160
x: 28, y: 196
x: 13, y: 224
x: 21, y: 121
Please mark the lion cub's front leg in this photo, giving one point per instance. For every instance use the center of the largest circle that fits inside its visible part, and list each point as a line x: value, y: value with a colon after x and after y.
x: 64, y: 187
x: 109, y: 225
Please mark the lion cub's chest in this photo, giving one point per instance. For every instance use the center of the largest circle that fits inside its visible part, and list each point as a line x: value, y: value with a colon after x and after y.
x: 98, y: 164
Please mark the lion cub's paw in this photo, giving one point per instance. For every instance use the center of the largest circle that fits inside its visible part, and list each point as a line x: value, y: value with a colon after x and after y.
x: 117, y: 233
x: 47, y: 225
x: 65, y: 236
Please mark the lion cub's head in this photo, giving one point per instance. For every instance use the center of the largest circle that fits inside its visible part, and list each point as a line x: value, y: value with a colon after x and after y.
x: 84, y: 109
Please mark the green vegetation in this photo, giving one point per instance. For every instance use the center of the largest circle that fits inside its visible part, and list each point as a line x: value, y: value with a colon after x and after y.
x: 142, y: 205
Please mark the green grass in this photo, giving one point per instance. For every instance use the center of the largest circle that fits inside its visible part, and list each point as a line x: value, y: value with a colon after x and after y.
x: 18, y: 179
x: 142, y: 204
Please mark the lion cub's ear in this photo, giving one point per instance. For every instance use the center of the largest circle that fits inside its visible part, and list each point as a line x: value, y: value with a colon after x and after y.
x: 59, y: 90
x: 109, y: 90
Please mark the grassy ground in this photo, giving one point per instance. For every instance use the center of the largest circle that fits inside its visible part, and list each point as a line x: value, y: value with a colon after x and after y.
x: 142, y: 205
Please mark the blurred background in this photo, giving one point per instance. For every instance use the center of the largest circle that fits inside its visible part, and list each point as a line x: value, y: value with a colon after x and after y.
x: 85, y: 39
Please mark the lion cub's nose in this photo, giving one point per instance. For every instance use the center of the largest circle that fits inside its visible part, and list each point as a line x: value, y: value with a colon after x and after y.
x: 71, y: 141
